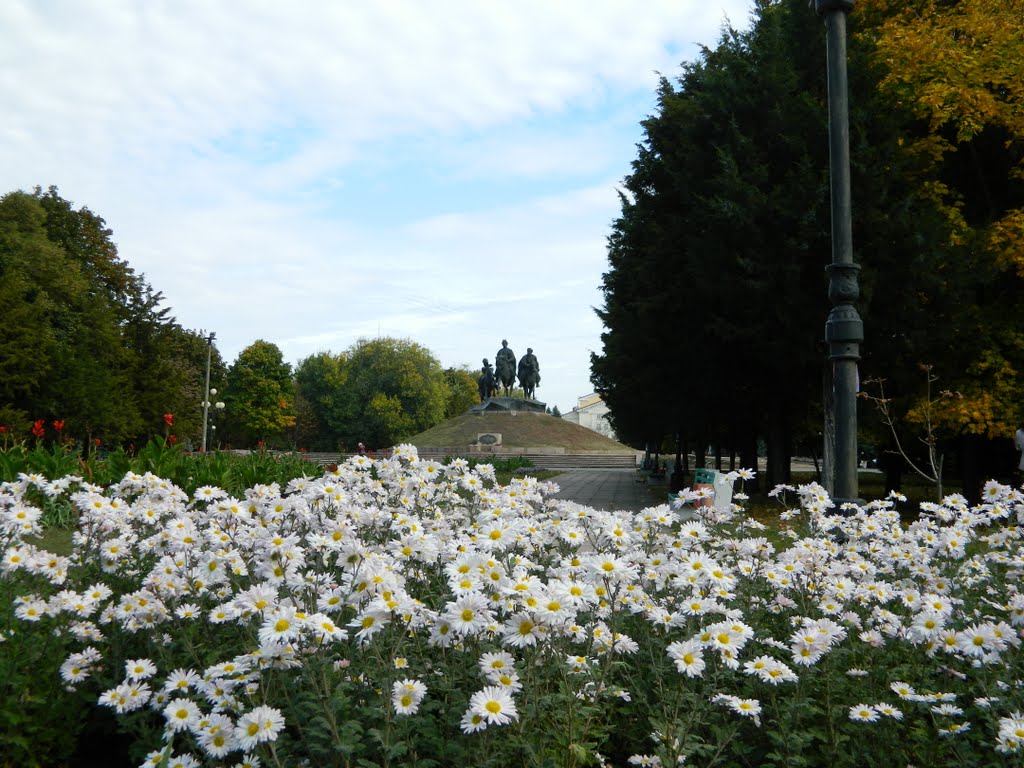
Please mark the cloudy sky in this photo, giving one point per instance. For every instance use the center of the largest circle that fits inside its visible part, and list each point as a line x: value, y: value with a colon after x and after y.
x: 314, y: 172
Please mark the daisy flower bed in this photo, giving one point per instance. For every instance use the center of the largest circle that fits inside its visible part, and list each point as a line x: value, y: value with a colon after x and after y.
x: 405, y: 612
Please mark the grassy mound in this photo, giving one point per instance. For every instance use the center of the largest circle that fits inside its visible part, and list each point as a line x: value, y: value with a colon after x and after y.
x: 521, y: 430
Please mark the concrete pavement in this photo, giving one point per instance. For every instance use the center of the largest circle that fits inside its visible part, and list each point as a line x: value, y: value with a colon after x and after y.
x: 610, y: 489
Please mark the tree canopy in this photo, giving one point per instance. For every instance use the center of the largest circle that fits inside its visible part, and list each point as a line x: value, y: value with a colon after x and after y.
x: 715, y: 295
x: 260, y: 395
x: 85, y: 342
x: 88, y: 344
x: 378, y: 392
x: 955, y: 67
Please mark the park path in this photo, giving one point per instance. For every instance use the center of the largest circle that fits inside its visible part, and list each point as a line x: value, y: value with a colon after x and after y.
x: 609, y: 489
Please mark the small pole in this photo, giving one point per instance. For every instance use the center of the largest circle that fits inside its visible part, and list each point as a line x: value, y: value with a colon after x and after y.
x: 206, y: 399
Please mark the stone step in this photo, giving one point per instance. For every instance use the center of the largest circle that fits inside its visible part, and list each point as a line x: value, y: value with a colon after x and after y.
x: 557, y: 460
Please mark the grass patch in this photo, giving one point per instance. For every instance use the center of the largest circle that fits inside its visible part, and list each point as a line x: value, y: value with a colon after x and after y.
x: 520, y: 430
x: 55, y: 540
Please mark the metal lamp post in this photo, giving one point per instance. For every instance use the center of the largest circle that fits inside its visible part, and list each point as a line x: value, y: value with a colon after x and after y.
x: 218, y: 408
x: 844, y: 330
x: 206, y: 389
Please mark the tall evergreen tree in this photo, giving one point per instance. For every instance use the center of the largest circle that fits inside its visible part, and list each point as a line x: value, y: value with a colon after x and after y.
x: 716, y: 278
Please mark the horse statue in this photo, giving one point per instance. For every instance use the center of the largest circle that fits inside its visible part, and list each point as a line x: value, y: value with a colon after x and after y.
x: 505, y: 368
x: 486, y: 384
x: 529, y: 373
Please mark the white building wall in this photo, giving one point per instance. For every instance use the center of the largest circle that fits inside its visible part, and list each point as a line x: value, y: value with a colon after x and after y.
x: 591, y: 413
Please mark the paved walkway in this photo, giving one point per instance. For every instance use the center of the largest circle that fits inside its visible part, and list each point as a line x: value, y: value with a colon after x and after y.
x: 610, y: 489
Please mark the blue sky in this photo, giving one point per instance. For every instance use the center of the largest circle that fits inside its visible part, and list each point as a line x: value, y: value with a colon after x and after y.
x: 312, y: 173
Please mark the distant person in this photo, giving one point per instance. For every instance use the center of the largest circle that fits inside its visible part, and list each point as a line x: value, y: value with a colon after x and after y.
x: 361, y: 449
x: 1018, y: 440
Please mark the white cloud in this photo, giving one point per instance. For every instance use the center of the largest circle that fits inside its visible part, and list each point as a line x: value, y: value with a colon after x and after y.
x: 312, y: 172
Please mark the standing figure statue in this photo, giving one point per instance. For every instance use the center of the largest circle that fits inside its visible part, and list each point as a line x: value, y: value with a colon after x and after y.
x: 505, y: 367
x: 529, y: 373
x: 486, y: 384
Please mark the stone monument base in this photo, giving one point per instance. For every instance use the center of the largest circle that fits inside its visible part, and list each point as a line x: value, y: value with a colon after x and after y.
x: 508, y: 405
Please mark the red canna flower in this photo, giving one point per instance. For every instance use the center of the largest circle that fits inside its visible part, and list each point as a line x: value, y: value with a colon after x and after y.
x: 169, y: 419
x: 172, y: 439
x: 39, y: 429
x: 96, y: 441
x: 58, y: 424
x: 3, y: 429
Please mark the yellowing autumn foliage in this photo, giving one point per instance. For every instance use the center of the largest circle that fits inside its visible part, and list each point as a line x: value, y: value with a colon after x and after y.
x: 958, y: 66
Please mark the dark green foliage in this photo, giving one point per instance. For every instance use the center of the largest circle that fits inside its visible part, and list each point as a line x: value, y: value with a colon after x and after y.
x: 378, y: 392
x: 716, y: 282
x: 234, y: 472
x: 320, y: 382
x: 39, y: 721
x: 462, y: 391
x: 83, y: 338
x: 260, y: 396
x: 716, y: 289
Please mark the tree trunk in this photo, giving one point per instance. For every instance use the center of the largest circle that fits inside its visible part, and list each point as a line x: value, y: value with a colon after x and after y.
x: 828, y: 448
x: 678, y: 480
x: 748, y: 460
x: 970, y: 468
x: 891, y: 463
x: 779, y: 451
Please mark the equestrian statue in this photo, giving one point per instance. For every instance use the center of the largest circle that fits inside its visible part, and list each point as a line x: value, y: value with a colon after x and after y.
x: 486, y: 384
x: 505, y: 368
x: 529, y: 373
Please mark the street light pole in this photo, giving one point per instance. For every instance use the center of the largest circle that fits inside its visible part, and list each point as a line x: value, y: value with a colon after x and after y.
x: 844, y: 330
x: 206, y: 398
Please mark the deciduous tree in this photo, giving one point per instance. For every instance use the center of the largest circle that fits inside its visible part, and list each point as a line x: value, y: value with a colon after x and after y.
x: 462, y: 391
x: 395, y: 388
x: 260, y: 394
x: 320, y: 380
x: 955, y: 66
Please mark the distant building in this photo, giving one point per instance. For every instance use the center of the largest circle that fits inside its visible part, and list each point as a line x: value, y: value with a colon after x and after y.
x: 592, y: 413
